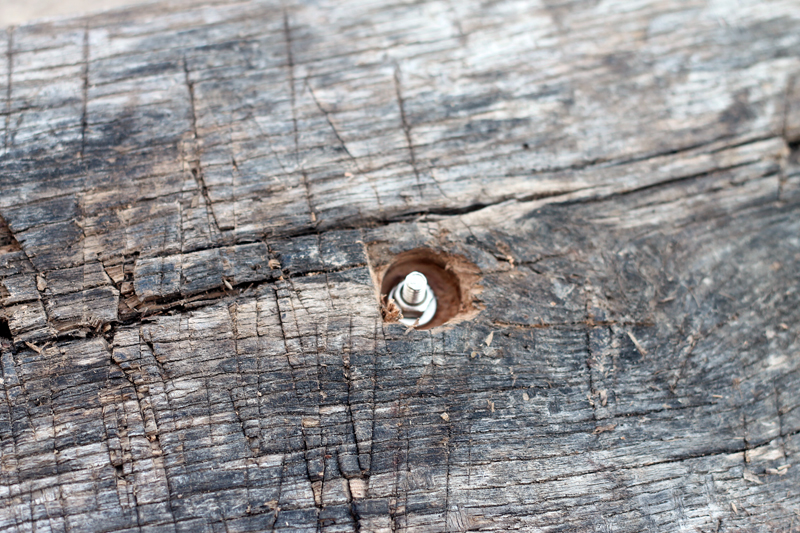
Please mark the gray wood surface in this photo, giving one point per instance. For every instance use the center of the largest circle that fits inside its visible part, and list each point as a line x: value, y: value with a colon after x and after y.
x: 193, y: 197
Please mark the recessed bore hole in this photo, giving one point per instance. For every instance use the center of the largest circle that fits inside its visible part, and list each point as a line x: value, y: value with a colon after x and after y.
x: 7, y: 241
x: 453, y: 280
x: 794, y: 154
x: 5, y: 331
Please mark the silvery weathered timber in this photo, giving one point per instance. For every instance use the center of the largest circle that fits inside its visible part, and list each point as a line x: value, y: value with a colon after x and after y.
x: 195, y: 197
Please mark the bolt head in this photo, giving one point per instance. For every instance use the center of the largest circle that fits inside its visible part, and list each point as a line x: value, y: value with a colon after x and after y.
x: 421, y: 313
x: 416, y: 281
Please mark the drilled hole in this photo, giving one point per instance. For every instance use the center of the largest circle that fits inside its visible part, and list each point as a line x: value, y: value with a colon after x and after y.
x: 8, y: 243
x: 453, y: 279
x: 5, y: 331
x: 794, y: 151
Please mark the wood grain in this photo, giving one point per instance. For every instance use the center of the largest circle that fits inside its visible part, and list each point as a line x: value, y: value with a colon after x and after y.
x: 193, y: 195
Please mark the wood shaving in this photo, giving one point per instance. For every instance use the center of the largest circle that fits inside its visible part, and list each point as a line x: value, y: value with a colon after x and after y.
x: 33, y: 347
x: 749, y: 476
x: 781, y: 470
x: 636, y: 343
x: 391, y: 311
x: 411, y: 327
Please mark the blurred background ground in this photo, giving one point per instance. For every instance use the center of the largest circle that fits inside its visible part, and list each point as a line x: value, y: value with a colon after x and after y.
x: 13, y: 12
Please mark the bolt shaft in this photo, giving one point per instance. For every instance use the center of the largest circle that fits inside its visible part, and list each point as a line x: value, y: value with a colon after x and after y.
x: 414, y: 288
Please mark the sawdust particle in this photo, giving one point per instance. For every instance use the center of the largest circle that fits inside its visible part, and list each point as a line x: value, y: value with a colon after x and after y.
x: 603, y: 429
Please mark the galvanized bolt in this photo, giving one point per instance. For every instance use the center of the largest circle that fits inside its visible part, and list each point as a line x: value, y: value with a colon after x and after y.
x: 415, y: 299
x: 415, y: 288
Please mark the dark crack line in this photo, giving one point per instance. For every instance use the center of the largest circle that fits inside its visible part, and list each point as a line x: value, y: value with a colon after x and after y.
x: 85, y: 92
x: 132, y: 493
x: 447, y: 481
x: 131, y: 379
x: 343, y: 144
x: 589, y: 363
x: 196, y: 168
x: 9, y: 403
x: 786, y: 107
x: 268, y: 137
x: 604, y: 197
x: 160, y: 306
x: 704, y: 147
x: 327, y: 116
x: 162, y: 372
x: 347, y: 375
x: 346, y: 369
x: 280, y: 493
x: 637, y: 465
x: 306, y: 448
x: 602, y: 162
x: 240, y: 384
x: 378, y: 325
x: 406, y: 485
x: 290, y: 65
x: 785, y: 129
x: 406, y: 128
x: 777, y: 395
x: 164, y: 378
x: 586, y: 323
x: 557, y: 197
x: 9, y: 70
x: 213, y: 295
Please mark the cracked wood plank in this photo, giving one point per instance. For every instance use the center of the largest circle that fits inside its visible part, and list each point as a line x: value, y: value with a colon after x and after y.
x: 193, y: 194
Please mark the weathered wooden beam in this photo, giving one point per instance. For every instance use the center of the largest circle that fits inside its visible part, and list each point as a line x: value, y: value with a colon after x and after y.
x: 199, y: 200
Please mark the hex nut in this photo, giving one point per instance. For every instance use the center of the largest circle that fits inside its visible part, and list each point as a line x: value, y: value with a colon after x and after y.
x: 418, y: 314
